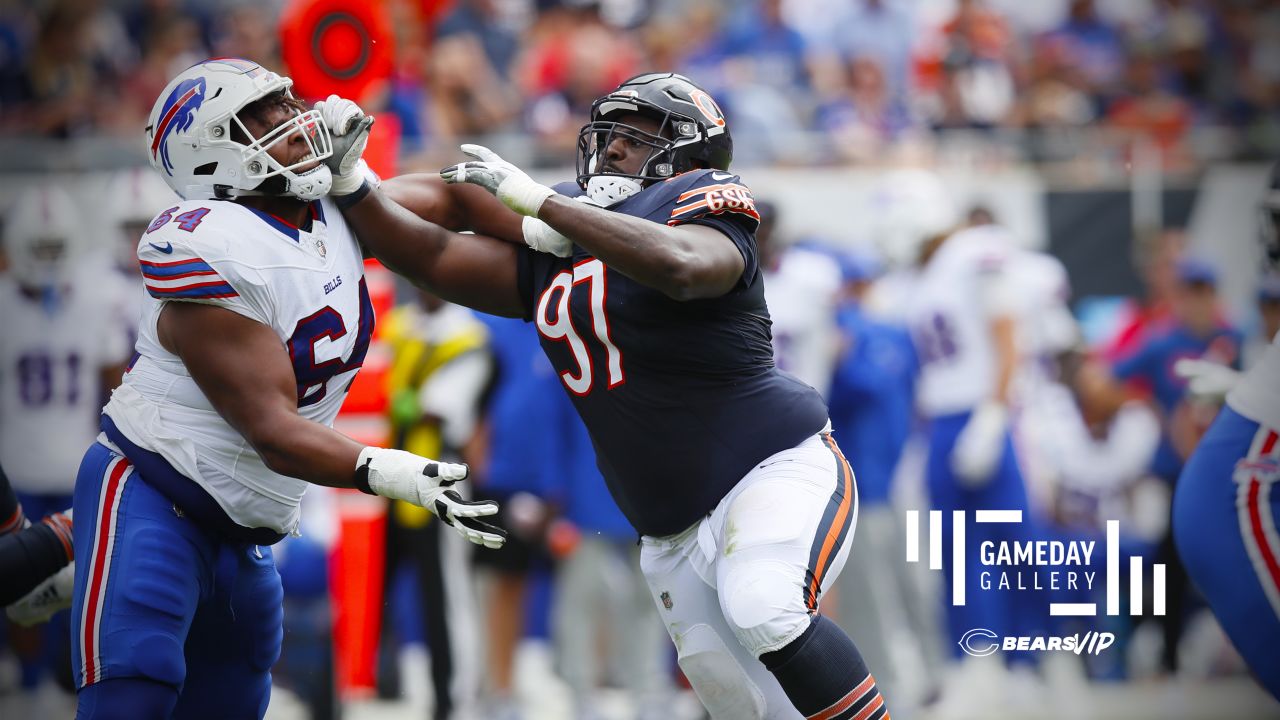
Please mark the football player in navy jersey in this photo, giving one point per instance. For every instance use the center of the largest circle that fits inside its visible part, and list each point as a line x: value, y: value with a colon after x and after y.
x: 643, y: 279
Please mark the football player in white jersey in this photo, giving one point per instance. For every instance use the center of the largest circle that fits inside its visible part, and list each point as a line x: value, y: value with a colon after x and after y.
x: 1225, y: 504
x: 257, y: 322
x: 962, y: 315
x: 133, y: 198
x: 60, y: 351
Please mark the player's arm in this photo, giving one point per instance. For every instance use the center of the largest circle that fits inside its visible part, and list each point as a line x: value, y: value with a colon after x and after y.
x: 243, y: 368
x: 456, y: 207
x: 472, y: 270
x: 245, y: 371
x: 685, y: 262
x: 29, y: 556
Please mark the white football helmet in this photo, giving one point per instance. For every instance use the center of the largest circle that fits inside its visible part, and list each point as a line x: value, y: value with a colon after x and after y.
x: 133, y: 198
x: 190, y: 130
x: 42, y: 237
x: 909, y: 208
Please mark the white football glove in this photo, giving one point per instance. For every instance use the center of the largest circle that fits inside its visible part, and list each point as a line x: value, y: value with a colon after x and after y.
x: 349, y: 127
x: 980, y: 446
x: 1207, y: 380
x: 424, y: 482
x: 50, y: 596
x: 509, y: 183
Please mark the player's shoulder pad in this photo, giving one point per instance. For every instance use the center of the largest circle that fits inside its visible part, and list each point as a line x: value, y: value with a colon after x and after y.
x: 182, y: 253
x: 700, y: 193
x: 569, y: 189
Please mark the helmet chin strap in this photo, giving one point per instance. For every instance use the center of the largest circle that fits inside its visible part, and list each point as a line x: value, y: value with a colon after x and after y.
x: 307, y: 187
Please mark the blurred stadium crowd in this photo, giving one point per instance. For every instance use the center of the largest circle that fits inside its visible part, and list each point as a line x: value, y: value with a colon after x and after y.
x: 1103, y: 428
x: 862, y: 79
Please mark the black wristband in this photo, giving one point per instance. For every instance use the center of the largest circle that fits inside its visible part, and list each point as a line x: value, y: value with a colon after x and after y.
x: 361, y: 479
x: 346, y: 201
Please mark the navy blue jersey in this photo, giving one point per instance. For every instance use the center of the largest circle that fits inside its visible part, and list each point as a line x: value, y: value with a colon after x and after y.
x: 681, y: 399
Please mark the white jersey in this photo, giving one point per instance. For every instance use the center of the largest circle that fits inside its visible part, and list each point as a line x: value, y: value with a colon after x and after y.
x: 1257, y: 396
x: 802, y: 295
x: 307, y: 286
x: 52, y: 353
x: 956, y: 295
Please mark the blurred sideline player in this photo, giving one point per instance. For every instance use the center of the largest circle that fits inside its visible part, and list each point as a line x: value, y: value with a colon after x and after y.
x: 1269, y: 316
x: 651, y: 309
x: 1196, y: 331
x: 520, y: 471
x: 34, y: 560
x: 258, y: 320
x: 605, y: 624
x: 61, y: 350
x: 1226, y: 503
x: 963, y: 317
x: 872, y: 416
x: 439, y: 375
x: 801, y: 287
x: 133, y: 198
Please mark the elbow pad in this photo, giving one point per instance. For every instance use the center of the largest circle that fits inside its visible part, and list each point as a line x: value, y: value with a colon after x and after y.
x: 544, y: 238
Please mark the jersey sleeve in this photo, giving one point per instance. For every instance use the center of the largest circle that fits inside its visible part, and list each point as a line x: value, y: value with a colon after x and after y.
x: 721, y: 201
x: 197, y: 266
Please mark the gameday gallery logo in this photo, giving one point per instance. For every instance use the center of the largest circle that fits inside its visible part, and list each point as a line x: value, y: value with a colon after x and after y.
x: 1055, y: 567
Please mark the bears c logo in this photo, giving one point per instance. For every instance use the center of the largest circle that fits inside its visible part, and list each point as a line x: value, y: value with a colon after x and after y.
x: 176, y: 116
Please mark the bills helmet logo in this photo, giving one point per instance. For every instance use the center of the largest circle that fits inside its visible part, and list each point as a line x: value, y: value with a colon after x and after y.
x: 176, y: 116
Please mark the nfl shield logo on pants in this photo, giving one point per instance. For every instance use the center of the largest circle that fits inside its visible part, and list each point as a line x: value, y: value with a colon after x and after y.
x: 665, y: 597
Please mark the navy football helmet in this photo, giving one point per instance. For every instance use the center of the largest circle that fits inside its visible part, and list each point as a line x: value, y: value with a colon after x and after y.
x: 691, y: 134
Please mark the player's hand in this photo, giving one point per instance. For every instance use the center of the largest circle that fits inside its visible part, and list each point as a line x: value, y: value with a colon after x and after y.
x: 47, y: 598
x: 349, y: 127
x: 427, y: 483
x: 509, y: 183
x: 980, y: 446
x: 1206, y: 380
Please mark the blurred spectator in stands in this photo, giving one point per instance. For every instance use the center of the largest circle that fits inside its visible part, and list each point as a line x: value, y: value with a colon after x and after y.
x: 573, y: 58
x: 865, y: 118
x: 1147, y: 109
x: 1197, y: 331
x: 482, y: 20
x: 766, y: 50
x: 879, y: 30
x: 978, y: 68
x: 1268, y: 317
x: 172, y: 44
x: 1092, y: 47
x: 469, y: 94
x: 1057, y: 95
x: 605, y: 621
x: 248, y: 30
x: 1183, y: 31
x: 60, y: 79
x: 145, y: 18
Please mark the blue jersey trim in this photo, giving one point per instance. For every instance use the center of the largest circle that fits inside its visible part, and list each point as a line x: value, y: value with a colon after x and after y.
x: 185, y: 493
x: 285, y: 228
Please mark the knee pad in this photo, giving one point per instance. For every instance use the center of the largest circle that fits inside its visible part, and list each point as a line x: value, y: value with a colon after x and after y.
x: 718, y: 679
x: 764, y: 605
